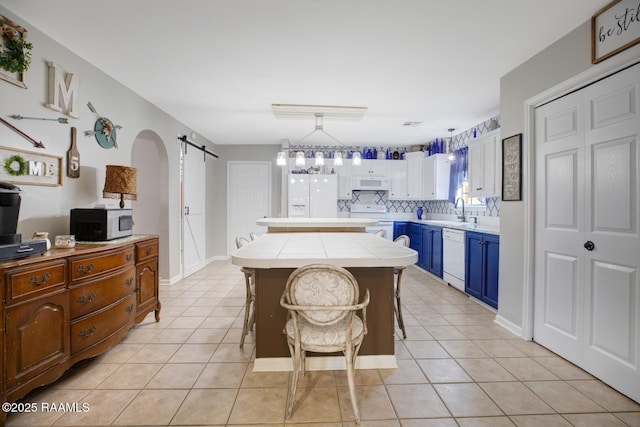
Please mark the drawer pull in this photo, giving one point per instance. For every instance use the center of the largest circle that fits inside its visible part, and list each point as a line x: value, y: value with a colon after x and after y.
x: 130, y: 308
x: 129, y: 281
x: 87, y: 332
x: 37, y: 282
x: 128, y: 257
x: 86, y: 269
x: 87, y: 299
x: 149, y: 251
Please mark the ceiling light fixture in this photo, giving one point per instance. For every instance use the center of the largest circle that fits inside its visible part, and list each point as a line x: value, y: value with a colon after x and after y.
x: 452, y: 157
x: 319, y: 156
x: 292, y: 111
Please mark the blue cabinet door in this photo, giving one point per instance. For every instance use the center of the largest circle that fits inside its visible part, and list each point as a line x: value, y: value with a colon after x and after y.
x: 474, y: 266
x: 400, y: 228
x: 415, y: 239
x: 425, y: 252
x: 483, y: 252
x: 492, y: 255
x: 435, y: 235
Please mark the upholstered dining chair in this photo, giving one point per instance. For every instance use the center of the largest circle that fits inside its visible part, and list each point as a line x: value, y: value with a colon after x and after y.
x: 397, y: 273
x: 322, y: 303
x: 381, y: 233
x: 250, y: 300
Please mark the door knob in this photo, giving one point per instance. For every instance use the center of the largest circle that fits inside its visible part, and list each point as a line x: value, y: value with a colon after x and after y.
x: 589, y: 245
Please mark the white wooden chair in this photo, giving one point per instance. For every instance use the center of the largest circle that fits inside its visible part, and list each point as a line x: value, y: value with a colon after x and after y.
x: 381, y: 233
x: 397, y: 272
x: 322, y: 301
x: 253, y: 236
x: 250, y: 300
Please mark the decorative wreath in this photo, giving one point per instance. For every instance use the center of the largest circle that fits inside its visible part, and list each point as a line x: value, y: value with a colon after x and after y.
x: 22, y: 163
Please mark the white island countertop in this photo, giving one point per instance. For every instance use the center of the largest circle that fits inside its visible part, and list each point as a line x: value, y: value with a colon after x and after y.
x: 316, y: 223
x: 343, y: 249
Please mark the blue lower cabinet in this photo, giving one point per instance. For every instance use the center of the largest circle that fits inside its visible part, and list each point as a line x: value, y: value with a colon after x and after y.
x: 415, y: 237
x: 400, y: 228
x: 482, y: 266
x: 431, y: 253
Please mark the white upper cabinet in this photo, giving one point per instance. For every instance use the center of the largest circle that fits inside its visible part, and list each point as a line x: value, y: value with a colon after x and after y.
x: 414, y: 165
x: 436, y: 177
x: 484, y: 158
x: 371, y: 167
x: 344, y: 179
x: 397, y: 172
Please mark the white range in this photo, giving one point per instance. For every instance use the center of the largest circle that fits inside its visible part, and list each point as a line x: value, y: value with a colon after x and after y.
x: 377, y: 212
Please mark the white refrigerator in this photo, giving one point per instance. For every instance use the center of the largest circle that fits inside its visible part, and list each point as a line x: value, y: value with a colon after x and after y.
x: 312, y: 196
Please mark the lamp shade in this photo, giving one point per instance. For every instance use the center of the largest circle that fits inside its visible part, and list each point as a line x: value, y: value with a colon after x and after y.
x: 120, y: 182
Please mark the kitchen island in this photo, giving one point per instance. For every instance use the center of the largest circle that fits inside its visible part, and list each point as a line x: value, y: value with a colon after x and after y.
x: 322, y: 225
x: 369, y: 258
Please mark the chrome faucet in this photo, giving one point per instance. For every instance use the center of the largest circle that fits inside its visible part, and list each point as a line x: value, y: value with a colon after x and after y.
x: 462, y: 218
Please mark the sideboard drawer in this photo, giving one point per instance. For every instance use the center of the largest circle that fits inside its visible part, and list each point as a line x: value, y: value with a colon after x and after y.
x: 23, y: 283
x: 147, y: 250
x: 93, y: 265
x: 93, y: 329
x: 97, y: 294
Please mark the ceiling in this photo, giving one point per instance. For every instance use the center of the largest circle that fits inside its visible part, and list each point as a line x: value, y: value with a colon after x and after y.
x: 218, y: 65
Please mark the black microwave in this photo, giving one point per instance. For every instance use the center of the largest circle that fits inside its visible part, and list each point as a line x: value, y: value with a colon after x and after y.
x: 96, y: 225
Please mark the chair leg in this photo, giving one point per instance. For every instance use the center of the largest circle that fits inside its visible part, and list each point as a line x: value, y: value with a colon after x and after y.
x: 296, y: 356
x: 247, y: 308
x: 398, y: 307
x: 350, y: 355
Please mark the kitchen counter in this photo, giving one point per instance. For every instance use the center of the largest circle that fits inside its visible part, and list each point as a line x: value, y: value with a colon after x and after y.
x: 465, y: 226
x: 287, y: 225
x: 371, y: 260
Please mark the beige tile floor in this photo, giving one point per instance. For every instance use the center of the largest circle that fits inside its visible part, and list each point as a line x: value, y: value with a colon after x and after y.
x: 456, y: 368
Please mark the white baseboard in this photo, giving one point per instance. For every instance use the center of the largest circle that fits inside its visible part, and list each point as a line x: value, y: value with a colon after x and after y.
x: 329, y: 363
x: 171, y: 281
x: 508, y: 325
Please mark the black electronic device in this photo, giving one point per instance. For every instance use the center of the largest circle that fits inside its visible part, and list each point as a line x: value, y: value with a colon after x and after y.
x: 97, y: 225
x: 11, y: 244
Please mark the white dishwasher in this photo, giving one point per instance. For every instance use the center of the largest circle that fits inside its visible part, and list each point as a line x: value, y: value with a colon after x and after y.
x: 453, y: 254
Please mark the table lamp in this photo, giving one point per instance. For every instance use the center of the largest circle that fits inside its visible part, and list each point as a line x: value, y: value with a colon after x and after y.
x: 120, y: 182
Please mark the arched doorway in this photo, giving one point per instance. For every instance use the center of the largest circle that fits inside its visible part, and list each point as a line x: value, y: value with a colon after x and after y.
x: 151, y: 210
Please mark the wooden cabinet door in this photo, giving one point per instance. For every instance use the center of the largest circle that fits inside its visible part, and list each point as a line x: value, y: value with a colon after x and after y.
x: 37, y: 337
x: 147, y: 273
x: 397, y: 170
x: 492, y: 255
x: 415, y: 185
x: 435, y: 245
x: 484, y: 156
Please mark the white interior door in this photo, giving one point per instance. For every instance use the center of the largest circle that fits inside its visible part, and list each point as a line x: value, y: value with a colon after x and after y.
x: 587, y: 256
x: 248, y: 198
x: 193, y: 224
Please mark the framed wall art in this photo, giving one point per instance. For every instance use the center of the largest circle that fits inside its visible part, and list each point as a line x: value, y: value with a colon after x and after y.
x: 30, y: 168
x: 614, y: 28
x: 15, y: 52
x: 512, y: 168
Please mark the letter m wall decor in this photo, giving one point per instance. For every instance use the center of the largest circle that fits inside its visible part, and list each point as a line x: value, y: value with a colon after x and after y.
x: 63, y: 92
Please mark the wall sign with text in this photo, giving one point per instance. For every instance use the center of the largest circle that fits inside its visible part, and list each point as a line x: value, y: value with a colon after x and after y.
x: 29, y: 168
x: 614, y: 28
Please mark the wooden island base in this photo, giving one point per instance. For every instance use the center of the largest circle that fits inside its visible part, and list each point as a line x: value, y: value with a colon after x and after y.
x: 272, y: 352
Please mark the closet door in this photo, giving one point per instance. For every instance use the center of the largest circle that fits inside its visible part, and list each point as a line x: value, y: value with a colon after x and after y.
x: 587, y: 256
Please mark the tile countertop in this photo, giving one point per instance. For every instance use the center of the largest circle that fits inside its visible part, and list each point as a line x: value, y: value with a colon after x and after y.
x: 293, y: 250
x: 466, y: 226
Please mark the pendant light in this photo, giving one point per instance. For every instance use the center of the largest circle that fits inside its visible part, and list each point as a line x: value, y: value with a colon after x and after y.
x: 319, y: 158
x: 356, y: 159
x: 452, y: 157
x: 337, y: 158
x: 281, y: 159
x: 299, y: 158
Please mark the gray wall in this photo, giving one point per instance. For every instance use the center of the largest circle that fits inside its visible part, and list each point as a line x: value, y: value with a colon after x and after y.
x: 558, y: 63
x: 217, y: 196
x: 47, y: 208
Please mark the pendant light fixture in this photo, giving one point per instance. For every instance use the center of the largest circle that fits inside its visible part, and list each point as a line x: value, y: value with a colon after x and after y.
x: 319, y: 156
x: 452, y: 157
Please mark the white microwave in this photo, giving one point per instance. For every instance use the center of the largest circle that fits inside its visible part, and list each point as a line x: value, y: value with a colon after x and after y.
x: 375, y: 183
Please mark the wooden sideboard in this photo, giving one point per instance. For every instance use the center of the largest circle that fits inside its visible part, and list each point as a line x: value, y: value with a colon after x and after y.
x: 72, y: 304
